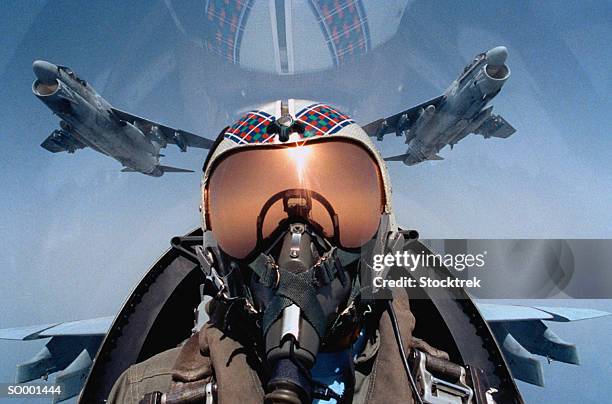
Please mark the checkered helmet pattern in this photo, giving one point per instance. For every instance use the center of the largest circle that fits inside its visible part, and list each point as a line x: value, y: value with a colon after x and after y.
x: 318, y: 119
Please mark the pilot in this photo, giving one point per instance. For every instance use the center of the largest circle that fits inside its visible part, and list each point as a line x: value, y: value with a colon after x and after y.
x: 296, y: 200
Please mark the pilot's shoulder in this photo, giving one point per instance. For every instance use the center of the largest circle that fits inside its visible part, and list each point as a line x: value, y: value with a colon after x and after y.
x: 153, y: 374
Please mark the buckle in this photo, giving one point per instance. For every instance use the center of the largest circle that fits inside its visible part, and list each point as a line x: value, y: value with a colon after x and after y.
x: 440, y: 381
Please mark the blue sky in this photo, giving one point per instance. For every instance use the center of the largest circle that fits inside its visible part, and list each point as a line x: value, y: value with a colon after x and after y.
x: 77, y: 233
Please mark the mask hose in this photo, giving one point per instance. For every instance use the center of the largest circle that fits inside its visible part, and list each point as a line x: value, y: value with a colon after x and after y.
x: 299, y: 294
x: 400, y: 345
x: 291, y: 341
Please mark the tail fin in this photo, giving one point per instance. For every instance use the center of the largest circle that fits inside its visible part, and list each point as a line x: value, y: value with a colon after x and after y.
x: 168, y: 169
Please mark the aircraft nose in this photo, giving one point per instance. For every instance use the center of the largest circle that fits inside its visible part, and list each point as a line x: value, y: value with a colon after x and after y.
x: 497, y: 56
x: 45, y: 72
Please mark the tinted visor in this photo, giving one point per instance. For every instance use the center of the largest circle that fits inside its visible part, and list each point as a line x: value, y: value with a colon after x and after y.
x: 334, y: 184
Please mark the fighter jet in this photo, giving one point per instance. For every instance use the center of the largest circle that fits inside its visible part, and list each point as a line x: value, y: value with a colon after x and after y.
x: 447, y: 119
x: 88, y: 120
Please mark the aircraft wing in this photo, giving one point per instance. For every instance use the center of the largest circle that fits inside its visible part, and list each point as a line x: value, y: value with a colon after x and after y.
x: 70, y: 351
x: 50, y: 145
x: 60, y: 141
x: 399, y: 157
x: 402, y: 157
x: 178, y: 137
x: 93, y: 326
x: 383, y: 126
x: 495, y: 126
x: 522, y: 335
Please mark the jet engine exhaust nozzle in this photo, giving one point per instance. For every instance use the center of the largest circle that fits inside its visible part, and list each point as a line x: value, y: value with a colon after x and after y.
x: 496, y: 63
x: 45, y: 72
x: 46, y: 83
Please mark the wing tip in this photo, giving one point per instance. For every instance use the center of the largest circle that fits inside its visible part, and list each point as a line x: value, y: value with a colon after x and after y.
x: 567, y: 314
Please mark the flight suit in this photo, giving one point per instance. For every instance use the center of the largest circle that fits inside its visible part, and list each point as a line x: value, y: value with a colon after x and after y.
x: 379, y: 373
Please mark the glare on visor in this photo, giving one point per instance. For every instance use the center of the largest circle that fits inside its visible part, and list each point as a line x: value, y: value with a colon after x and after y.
x: 299, y: 154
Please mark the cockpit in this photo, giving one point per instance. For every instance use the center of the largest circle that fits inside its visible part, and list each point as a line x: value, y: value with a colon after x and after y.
x: 72, y: 75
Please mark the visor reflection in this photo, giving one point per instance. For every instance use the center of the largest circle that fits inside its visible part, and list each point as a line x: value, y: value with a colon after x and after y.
x: 342, y: 173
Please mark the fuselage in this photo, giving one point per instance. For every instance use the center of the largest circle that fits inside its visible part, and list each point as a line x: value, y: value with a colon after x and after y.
x: 88, y: 117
